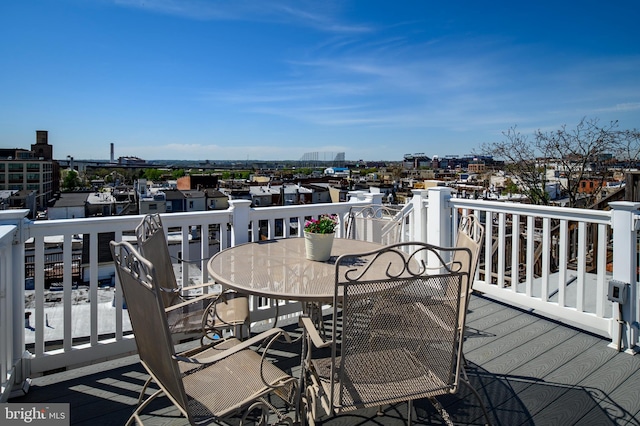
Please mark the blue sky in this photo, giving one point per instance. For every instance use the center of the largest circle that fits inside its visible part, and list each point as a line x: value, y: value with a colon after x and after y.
x: 274, y: 79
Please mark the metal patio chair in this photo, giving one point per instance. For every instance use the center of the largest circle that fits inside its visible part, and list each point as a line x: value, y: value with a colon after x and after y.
x: 208, y: 383
x: 375, y: 223
x: 209, y: 313
x: 403, y: 311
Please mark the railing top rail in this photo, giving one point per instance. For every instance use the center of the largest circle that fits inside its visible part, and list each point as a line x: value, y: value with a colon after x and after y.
x: 595, y: 216
x: 307, y: 209
x: 113, y: 223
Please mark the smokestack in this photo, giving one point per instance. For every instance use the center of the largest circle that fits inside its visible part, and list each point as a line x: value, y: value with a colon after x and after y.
x: 111, y: 158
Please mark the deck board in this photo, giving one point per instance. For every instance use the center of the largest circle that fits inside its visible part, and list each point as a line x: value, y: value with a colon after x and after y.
x: 528, y: 371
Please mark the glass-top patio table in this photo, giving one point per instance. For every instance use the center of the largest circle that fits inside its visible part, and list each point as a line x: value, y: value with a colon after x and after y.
x: 279, y: 269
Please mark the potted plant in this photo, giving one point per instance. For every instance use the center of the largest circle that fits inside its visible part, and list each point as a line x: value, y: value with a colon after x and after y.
x: 318, y: 234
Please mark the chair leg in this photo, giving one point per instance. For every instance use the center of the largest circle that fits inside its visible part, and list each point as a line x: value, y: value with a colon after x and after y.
x: 263, y: 415
x: 140, y: 407
x: 440, y: 409
x: 409, y: 411
x: 466, y: 381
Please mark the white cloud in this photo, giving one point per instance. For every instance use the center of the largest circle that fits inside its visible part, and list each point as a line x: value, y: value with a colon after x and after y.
x: 320, y: 16
x: 623, y: 107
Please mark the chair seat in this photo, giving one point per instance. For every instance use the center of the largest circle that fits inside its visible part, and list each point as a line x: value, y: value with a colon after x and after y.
x: 373, y: 378
x: 222, y: 388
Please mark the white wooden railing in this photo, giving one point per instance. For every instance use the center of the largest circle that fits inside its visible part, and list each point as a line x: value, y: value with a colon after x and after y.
x: 525, y: 268
x: 106, y: 333
x: 553, y: 261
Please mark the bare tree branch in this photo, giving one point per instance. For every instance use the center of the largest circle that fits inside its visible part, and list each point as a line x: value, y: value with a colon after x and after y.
x: 578, y: 157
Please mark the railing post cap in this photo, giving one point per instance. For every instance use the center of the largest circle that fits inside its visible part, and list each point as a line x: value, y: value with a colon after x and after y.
x: 440, y: 189
x: 239, y: 203
x: 624, y: 205
x: 13, y: 215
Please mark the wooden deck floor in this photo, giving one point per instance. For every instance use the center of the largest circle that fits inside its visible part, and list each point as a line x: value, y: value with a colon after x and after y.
x: 528, y: 371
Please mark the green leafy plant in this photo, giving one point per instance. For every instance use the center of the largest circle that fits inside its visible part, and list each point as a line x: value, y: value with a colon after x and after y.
x: 325, y: 224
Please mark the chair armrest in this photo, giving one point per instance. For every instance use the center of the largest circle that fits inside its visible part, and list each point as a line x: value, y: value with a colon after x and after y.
x: 313, y: 334
x: 191, y: 300
x: 194, y: 261
x: 272, y: 333
x: 197, y: 286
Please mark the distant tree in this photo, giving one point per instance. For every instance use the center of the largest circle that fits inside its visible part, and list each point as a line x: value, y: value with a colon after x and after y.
x: 177, y: 173
x: 510, y: 187
x: 100, y: 173
x: 152, y: 174
x: 578, y: 154
x: 71, y: 181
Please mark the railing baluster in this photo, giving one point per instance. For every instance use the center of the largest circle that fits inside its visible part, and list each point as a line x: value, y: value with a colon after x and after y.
x: 93, y: 288
x: 582, y: 261
x: 38, y: 321
x: 67, y: 291
x: 563, y: 262
x: 602, y: 269
x: 501, y: 250
x: 546, y: 254
x: 515, y: 251
x: 530, y: 255
x: 117, y: 300
x: 488, y: 239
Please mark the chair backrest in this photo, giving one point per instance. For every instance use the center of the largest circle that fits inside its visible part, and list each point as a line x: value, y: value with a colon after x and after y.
x: 146, y: 311
x: 469, y: 235
x: 153, y: 246
x: 402, y: 324
x: 375, y: 223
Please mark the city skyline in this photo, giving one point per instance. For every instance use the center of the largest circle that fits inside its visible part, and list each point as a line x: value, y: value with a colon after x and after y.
x: 214, y: 80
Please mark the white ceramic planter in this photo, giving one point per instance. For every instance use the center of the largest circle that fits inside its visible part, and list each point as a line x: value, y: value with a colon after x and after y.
x: 318, y: 246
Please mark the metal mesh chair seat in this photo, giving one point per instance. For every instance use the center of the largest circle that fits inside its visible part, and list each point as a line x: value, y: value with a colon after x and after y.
x: 217, y: 390
x: 384, y: 377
